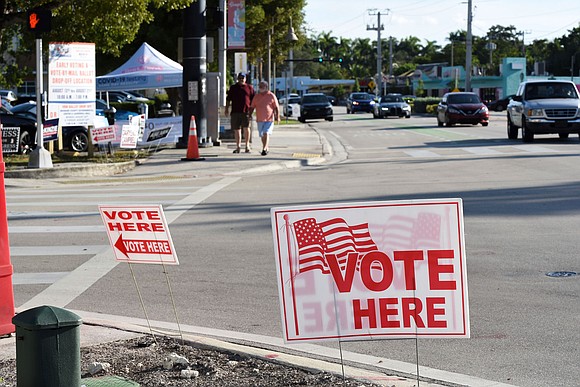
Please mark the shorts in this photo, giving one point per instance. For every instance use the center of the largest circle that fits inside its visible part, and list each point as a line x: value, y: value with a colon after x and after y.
x: 265, y: 127
x: 239, y: 120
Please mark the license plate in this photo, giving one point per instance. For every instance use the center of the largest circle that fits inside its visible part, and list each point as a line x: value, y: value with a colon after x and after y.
x: 561, y: 124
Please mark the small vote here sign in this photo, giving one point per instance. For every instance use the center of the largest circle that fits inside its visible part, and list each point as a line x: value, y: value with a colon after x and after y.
x: 139, y: 234
x: 372, y: 270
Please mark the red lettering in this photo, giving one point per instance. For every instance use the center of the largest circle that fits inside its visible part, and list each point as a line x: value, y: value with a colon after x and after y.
x: 129, y: 226
x: 385, y: 312
x: 110, y: 215
x: 409, y: 258
x: 125, y: 215
x: 153, y: 215
x: 432, y: 311
x: 369, y: 313
x: 435, y: 269
x: 157, y: 227
x: 387, y: 271
x: 343, y: 284
x: 412, y: 307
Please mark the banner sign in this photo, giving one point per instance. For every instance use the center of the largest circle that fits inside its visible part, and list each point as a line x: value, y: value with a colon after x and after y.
x: 105, y: 134
x: 236, y: 24
x: 364, y: 271
x: 10, y: 139
x: 71, y: 83
x: 50, y: 130
x: 129, y: 136
x: 139, y: 234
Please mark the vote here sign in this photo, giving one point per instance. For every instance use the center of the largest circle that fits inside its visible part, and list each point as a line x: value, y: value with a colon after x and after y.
x: 372, y: 270
x: 139, y: 234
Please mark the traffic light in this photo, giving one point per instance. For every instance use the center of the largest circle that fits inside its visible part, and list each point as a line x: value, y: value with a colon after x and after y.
x: 339, y: 60
x: 39, y: 20
x: 318, y: 60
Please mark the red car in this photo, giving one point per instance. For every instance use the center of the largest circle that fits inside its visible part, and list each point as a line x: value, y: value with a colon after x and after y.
x: 462, y: 108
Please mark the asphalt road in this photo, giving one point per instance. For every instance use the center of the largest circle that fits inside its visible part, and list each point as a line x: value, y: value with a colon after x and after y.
x: 521, y: 222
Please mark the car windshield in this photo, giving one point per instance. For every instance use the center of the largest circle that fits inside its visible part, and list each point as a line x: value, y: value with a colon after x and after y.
x: 294, y: 100
x: 314, y: 99
x: 392, y: 98
x: 363, y: 96
x: 463, y: 98
x: 550, y: 90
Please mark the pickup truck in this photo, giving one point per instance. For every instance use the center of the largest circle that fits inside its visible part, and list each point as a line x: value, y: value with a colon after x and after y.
x: 544, y: 107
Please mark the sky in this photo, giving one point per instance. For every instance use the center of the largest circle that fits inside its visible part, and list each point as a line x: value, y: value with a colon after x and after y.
x: 433, y: 20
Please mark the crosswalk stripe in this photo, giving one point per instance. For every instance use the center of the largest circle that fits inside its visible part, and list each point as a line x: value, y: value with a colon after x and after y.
x: 481, y: 150
x: 535, y: 149
x: 422, y: 153
x: 22, y: 251
x: 37, y: 278
x: 54, y: 229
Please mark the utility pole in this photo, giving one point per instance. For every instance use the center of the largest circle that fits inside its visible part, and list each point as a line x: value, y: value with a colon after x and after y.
x: 468, y: 48
x: 378, y: 28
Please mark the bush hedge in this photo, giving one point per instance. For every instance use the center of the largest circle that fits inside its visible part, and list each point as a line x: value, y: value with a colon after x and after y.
x: 421, y: 104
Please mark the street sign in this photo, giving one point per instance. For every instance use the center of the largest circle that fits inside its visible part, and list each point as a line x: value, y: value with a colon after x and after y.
x: 366, y: 271
x: 139, y: 234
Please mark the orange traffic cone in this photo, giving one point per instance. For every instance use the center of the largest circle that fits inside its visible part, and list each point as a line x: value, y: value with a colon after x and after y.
x: 192, y: 147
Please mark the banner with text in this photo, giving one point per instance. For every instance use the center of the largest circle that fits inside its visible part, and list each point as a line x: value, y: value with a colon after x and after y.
x: 236, y: 24
x: 372, y: 270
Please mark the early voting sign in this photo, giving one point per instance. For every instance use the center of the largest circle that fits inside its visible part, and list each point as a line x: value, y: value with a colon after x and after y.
x: 358, y: 271
x: 139, y: 234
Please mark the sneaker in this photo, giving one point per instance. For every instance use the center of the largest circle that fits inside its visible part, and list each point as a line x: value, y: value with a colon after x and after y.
x: 248, y: 150
x: 237, y: 150
x: 264, y: 152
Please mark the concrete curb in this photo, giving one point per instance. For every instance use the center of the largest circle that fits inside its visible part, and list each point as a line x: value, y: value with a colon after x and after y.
x: 72, y: 170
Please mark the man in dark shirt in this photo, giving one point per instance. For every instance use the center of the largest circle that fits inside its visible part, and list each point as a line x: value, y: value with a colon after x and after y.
x: 240, y: 96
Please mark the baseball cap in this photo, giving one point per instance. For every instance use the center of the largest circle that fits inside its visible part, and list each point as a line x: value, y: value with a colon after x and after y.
x: 241, y: 75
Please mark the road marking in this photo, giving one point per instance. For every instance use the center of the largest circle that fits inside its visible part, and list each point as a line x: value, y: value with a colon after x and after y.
x: 15, y: 215
x: 535, y: 149
x: 57, y: 250
x: 65, y: 290
x: 85, y: 203
x: 481, y: 150
x: 37, y: 278
x: 422, y: 153
x: 54, y: 229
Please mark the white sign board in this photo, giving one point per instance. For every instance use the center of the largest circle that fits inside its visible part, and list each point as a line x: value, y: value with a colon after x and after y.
x: 240, y: 62
x: 106, y: 134
x: 71, y: 83
x: 374, y: 270
x: 139, y: 234
x: 129, y: 136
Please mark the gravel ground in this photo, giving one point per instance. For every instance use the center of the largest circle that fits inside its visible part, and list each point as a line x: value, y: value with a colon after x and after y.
x: 149, y: 363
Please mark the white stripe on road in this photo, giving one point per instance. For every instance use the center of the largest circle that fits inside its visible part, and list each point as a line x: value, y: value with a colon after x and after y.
x: 64, y: 291
x: 535, y: 149
x: 87, y: 203
x: 85, y: 195
x: 57, y: 250
x: 481, y: 150
x: 422, y: 153
x: 54, y: 229
x: 37, y: 278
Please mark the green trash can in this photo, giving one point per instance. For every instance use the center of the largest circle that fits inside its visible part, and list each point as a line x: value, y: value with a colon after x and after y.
x: 48, y: 349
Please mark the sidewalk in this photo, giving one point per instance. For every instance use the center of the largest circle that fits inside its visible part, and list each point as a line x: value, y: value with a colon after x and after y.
x: 292, y: 146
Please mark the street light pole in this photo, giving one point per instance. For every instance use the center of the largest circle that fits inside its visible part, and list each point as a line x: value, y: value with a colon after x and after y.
x: 468, y: 49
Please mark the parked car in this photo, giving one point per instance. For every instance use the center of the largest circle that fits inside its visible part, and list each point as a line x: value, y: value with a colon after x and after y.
x: 8, y: 95
x: 26, y: 125
x: 544, y: 107
x: 283, y: 99
x: 287, y: 108
x: 313, y: 106
x: 122, y: 96
x: 120, y: 114
x: 75, y: 138
x: 359, y: 102
x: 499, y: 105
x: 391, y: 105
x: 462, y: 108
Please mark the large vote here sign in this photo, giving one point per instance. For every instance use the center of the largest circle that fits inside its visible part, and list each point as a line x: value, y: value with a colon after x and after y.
x: 372, y: 270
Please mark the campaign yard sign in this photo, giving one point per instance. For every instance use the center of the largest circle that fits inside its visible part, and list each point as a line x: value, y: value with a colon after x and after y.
x: 139, y: 234
x: 372, y: 270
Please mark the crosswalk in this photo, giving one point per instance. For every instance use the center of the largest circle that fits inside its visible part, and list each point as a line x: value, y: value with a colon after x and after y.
x: 459, y: 151
x: 58, y: 243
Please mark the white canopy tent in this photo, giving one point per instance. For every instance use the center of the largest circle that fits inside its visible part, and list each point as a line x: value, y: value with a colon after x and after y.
x: 146, y: 69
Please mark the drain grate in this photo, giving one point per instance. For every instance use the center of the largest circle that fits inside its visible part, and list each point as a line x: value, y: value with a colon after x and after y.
x: 561, y: 274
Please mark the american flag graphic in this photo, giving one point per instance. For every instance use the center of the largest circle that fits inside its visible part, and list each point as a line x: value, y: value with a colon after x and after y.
x: 409, y: 233
x: 334, y: 236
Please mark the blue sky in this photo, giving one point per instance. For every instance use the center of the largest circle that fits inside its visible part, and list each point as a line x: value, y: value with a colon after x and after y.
x: 435, y: 19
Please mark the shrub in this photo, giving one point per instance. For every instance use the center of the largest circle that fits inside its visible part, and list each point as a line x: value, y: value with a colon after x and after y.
x: 422, y: 103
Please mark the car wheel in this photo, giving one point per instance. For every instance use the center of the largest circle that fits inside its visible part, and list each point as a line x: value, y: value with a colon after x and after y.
x: 408, y: 116
x: 26, y: 142
x: 375, y: 115
x: 439, y: 123
x: 512, y: 130
x: 330, y: 119
x: 79, y: 141
x: 527, y: 135
x: 563, y: 135
x: 484, y: 123
x: 499, y: 108
x: 301, y: 120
